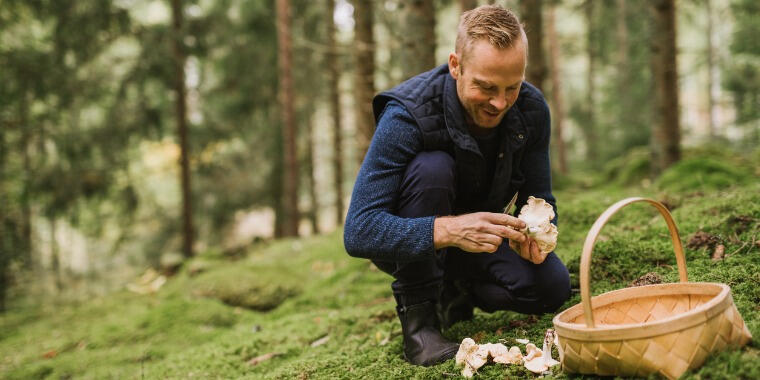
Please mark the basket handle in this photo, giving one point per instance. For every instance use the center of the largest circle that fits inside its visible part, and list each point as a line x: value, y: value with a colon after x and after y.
x: 588, y: 246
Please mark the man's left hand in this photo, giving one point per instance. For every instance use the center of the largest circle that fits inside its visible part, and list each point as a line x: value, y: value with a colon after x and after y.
x: 528, y: 250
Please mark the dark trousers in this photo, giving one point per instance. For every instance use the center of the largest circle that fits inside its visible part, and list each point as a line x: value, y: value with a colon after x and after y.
x: 496, y: 281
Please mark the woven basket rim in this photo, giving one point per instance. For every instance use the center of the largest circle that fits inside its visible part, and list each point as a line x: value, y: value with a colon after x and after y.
x: 721, y: 299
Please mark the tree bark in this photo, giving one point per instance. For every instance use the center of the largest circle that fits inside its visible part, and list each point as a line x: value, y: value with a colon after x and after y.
x: 532, y: 18
x: 558, y: 112
x: 55, y: 256
x: 178, y: 53
x: 290, y: 179
x: 364, y: 91
x: 365, y: 79
x: 5, y: 246
x: 314, y: 212
x: 590, y: 128
x: 712, y: 74
x: 466, y: 5
x: 666, y: 136
x: 623, y: 67
x: 26, y: 205
x: 418, y: 38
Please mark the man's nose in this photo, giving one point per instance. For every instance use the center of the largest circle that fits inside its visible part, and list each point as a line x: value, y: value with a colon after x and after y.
x: 499, y: 102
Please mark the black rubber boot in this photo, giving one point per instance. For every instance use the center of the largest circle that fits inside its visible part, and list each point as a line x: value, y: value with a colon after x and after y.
x: 423, y: 343
x: 455, y: 304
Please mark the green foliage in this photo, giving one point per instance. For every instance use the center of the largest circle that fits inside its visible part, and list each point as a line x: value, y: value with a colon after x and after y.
x: 702, y: 174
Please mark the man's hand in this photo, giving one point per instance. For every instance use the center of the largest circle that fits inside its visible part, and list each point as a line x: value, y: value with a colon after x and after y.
x: 477, y: 232
x: 528, y: 250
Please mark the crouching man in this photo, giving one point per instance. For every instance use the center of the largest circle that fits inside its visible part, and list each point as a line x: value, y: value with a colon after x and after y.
x: 451, y: 148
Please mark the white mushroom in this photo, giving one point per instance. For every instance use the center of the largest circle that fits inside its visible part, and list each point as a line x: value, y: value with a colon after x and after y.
x: 471, y: 356
x: 537, y: 215
x: 540, y: 361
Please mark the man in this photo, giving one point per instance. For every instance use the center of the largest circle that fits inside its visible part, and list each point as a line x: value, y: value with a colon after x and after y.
x: 451, y: 148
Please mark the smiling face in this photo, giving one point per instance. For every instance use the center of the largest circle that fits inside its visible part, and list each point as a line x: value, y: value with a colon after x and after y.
x: 488, y: 80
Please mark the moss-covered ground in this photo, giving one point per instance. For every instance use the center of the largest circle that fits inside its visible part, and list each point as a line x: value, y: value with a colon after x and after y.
x: 324, y: 315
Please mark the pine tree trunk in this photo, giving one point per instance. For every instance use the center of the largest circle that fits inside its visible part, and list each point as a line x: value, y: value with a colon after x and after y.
x: 26, y: 206
x: 712, y: 74
x: 590, y: 128
x: 558, y: 113
x: 364, y: 128
x: 314, y: 212
x: 365, y: 80
x: 532, y: 18
x: 181, y: 115
x: 5, y: 246
x: 290, y: 178
x: 55, y: 256
x: 623, y: 67
x: 666, y: 134
x: 466, y: 5
x: 418, y: 37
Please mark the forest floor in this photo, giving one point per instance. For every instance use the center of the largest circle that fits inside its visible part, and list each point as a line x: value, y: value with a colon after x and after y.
x: 304, y: 309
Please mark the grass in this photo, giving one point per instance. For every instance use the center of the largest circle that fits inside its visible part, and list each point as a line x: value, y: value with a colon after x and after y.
x: 209, y: 320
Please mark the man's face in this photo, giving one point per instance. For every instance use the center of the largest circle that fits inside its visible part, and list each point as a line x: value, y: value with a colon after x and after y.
x: 488, y: 80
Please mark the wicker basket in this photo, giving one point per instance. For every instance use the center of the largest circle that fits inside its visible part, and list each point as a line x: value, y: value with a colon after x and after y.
x: 664, y: 328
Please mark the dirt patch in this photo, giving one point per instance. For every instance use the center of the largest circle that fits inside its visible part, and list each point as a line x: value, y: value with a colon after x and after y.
x: 647, y: 279
x: 526, y: 322
x: 741, y: 223
x: 702, y: 239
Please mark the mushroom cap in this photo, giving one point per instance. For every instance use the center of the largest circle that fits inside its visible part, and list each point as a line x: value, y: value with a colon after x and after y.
x: 537, y: 215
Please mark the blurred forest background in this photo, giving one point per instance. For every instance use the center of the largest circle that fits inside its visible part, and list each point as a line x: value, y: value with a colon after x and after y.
x: 139, y: 133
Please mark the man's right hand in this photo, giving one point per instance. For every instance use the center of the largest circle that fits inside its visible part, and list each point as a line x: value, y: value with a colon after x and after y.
x: 476, y: 232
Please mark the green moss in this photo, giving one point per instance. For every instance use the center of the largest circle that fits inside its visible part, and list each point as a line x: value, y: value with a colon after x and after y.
x: 257, y: 288
x: 702, y: 174
x: 190, y: 329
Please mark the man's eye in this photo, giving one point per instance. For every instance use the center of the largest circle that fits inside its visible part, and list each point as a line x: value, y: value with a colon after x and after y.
x: 487, y: 88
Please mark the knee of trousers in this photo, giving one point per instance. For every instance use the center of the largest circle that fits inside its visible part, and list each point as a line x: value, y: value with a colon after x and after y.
x: 429, y: 170
x: 554, y: 287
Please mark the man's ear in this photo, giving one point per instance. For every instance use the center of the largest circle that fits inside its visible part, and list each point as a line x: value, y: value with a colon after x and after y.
x: 454, y: 68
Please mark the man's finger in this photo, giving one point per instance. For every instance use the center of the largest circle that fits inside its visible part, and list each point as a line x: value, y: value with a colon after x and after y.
x: 506, y: 232
x: 525, y: 250
x: 506, y: 220
x: 535, y: 253
x: 486, y: 247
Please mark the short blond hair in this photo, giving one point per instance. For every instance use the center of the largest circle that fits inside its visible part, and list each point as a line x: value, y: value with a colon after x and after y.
x: 494, y: 23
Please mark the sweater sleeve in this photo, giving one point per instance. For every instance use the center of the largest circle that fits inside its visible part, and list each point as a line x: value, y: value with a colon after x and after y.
x: 372, y: 229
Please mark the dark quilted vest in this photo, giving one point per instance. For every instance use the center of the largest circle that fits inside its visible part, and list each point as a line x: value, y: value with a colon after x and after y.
x: 431, y: 99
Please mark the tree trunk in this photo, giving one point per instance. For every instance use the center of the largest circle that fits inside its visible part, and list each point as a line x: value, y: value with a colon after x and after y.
x: 26, y: 206
x: 365, y: 82
x: 418, y: 37
x: 666, y: 134
x: 590, y: 128
x: 5, y: 246
x: 290, y: 179
x: 713, y: 88
x: 180, y: 91
x: 532, y: 19
x: 314, y: 212
x: 55, y: 257
x: 623, y: 67
x: 364, y: 92
x: 466, y: 5
x: 558, y: 112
